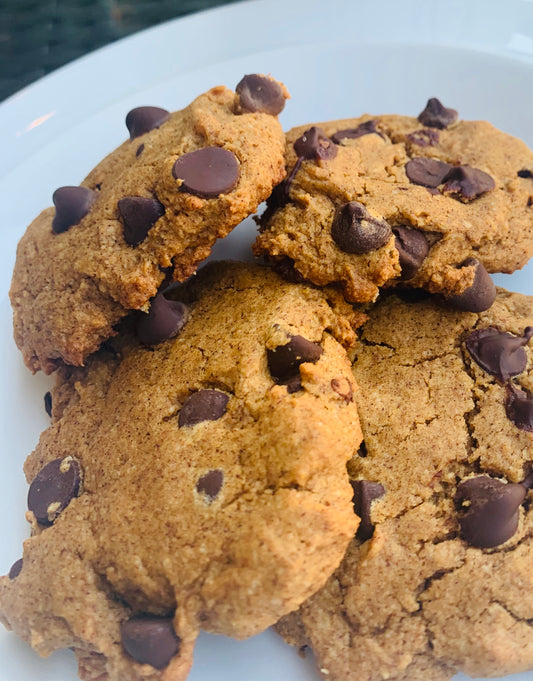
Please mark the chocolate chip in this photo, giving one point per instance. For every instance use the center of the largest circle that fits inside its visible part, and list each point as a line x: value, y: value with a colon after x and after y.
x: 467, y: 183
x: 364, y: 493
x: 427, y: 172
x: 207, y: 172
x: 139, y: 215
x: 314, y: 145
x: 427, y: 137
x: 286, y: 269
x: 150, y: 640
x: 525, y: 173
x: 145, y: 118
x: 72, y: 205
x: 15, y: 569
x: 497, y: 352
x: 48, y: 403
x: 140, y: 150
x: 354, y: 230
x: 435, y: 115
x: 203, y: 405
x: 480, y: 295
x: 519, y: 408
x: 260, y: 93
x: 366, y: 128
x: 491, y: 510
x: 165, y: 319
x: 413, y: 247
x: 210, y: 484
x: 284, y: 361
x: 53, y: 489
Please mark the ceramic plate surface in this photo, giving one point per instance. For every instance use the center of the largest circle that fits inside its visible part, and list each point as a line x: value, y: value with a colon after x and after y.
x: 338, y: 59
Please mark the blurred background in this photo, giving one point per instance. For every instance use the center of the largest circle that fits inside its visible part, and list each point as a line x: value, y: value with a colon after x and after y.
x: 39, y: 36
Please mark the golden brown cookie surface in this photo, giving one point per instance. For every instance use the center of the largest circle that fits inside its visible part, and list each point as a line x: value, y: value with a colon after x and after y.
x: 438, y: 578
x: 203, y: 478
x: 380, y: 201
x: 153, y: 208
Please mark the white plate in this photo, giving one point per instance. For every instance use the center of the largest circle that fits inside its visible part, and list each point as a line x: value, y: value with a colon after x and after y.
x: 338, y: 59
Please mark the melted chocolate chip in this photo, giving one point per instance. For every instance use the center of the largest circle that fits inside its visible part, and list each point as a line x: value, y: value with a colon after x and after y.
x: 140, y: 150
x: 260, y: 93
x: 467, y: 183
x: 435, y: 115
x: 145, y: 118
x: 150, y: 640
x: 207, y: 172
x: 427, y: 172
x: 48, y: 403
x: 343, y: 388
x: 210, y: 484
x: 203, y: 405
x: 519, y: 408
x: 364, y: 493
x: 280, y: 196
x: 525, y: 173
x: 165, y: 319
x: 284, y: 361
x: 72, y: 205
x: 354, y: 230
x: 139, y: 215
x: 480, y: 295
x: 427, y: 137
x: 500, y: 354
x: 15, y: 569
x: 366, y: 128
x: 412, y: 247
x: 53, y: 489
x: 314, y: 145
x: 491, y: 510
x: 294, y: 384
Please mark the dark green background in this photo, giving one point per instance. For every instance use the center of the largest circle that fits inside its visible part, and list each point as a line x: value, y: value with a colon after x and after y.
x: 38, y: 36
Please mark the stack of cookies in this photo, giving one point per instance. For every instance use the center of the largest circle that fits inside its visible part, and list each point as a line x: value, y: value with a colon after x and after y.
x: 335, y: 439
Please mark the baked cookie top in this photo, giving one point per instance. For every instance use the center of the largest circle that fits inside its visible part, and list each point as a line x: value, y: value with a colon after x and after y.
x: 200, y: 480
x: 152, y: 209
x: 438, y: 578
x: 428, y: 202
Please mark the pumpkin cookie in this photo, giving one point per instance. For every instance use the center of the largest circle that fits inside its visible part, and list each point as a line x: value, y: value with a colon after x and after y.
x: 431, y: 202
x: 151, y: 210
x: 438, y: 578
x: 192, y: 480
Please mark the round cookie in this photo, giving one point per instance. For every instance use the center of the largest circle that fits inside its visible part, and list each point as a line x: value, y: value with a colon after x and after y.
x: 197, y: 483
x: 428, y: 202
x: 151, y: 210
x: 438, y: 578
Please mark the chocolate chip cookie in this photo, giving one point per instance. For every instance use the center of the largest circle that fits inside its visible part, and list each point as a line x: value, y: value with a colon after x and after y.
x: 149, y: 211
x: 438, y: 578
x: 194, y: 476
x: 431, y: 202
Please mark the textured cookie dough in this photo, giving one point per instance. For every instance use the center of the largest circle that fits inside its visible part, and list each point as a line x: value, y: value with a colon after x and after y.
x: 359, y: 189
x: 197, y: 487
x: 444, y: 583
x: 146, y: 217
